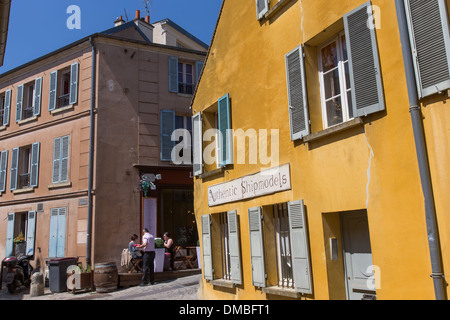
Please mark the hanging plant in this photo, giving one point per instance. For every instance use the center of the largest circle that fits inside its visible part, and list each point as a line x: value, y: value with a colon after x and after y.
x: 145, y: 184
x: 19, y: 239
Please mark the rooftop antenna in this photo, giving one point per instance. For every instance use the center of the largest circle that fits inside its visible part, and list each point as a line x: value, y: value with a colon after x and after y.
x: 147, y: 9
x: 126, y: 16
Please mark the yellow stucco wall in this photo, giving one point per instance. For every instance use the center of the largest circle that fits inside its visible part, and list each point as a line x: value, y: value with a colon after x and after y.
x: 336, y: 173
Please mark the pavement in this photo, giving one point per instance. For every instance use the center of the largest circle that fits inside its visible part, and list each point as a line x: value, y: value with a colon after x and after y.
x: 185, y: 288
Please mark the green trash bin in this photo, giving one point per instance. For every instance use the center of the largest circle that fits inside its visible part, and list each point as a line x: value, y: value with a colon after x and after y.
x: 57, y: 273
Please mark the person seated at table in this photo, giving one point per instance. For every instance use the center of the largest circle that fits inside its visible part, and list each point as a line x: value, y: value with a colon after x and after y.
x: 135, y: 253
x: 169, y: 245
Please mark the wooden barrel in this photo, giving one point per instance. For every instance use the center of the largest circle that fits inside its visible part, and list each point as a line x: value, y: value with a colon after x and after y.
x: 106, y: 277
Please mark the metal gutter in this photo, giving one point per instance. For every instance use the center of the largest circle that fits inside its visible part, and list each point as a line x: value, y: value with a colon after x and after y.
x: 422, y: 157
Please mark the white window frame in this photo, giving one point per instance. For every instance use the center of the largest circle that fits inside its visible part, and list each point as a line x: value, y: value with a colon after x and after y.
x: 346, y: 106
x: 283, y: 245
x: 183, y: 79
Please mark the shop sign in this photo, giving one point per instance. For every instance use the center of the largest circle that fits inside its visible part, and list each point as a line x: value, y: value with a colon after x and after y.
x: 262, y: 183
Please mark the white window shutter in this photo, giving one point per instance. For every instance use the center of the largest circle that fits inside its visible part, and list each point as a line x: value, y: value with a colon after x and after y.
x: 173, y: 74
x: 167, y: 128
x: 9, y: 246
x: 53, y: 90
x: 235, y: 247
x: 430, y: 43
x: 197, y: 144
x: 37, y: 96
x: 299, y: 247
x: 34, y: 176
x: 7, y: 107
x: 73, y: 96
x: 262, y: 6
x: 363, y: 60
x: 207, y: 247
x: 257, y: 247
x: 31, y: 232
x: 3, y: 168
x: 19, y: 103
x: 297, y: 94
x: 14, y: 169
x: 61, y: 242
x: 226, y: 143
x: 53, y: 235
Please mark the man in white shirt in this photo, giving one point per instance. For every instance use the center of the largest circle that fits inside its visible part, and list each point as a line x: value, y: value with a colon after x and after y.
x: 148, y: 244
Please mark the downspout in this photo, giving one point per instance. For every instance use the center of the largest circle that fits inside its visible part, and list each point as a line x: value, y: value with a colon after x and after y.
x: 422, y: 156
x: 91, y: 158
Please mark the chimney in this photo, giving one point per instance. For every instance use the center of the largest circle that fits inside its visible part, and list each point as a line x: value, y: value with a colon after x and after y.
x: 138, y: 14
x: 119, y: 21
x: 147, y: 19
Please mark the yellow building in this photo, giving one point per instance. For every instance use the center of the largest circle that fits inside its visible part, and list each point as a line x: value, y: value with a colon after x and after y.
x: 309, y: 185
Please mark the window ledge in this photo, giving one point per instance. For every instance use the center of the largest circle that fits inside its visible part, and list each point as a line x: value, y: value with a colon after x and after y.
x: 24, y: 190
x: 337, y: 128
x: 222, y: 283
x: 59, y: 110
x: 59, y: 185
x: 212, y: 173
x: 2, y: 128
x: 285, y: 292
x: 27, y: 120
x: 275, y: 8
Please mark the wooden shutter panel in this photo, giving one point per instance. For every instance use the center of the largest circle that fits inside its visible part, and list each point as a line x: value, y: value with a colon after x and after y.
x: 226, y: 143
x: 257, y: 247
x: 37, y: 96
x: 207, y: 248
x: 3, y: 168
x: 198, y: 70
x: 73, y: 96
x: 173, y: 74
x: 56, y: 175
x: 364, y: 65
x: 61, y: 236
x: 299, y: 247
x: 297, y: 94
x: 53, y: 236
x: 53, y: 90
x: 14, y: 169
x: 7, y: 107
x: 235, y: 249
x: 65, y: 146
x: 31, y: 232
x: 34, y: 177
x: 430, y: 42
x: 167, y: 127
x: 262, y: 6
x: 19, y: 103
x: 9, y: 246
x: 197, y: 143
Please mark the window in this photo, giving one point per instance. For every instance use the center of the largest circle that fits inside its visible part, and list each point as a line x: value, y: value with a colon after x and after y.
x: 21, y: 223
x: 61, y: 148
x: 185, y: 79
x: 63, y: 87
x: 25, y: 167
x: 183, y: 122
x: 3, y: 168
x: 182, y: 78
x: 29, y: 100
x: 5, y: 106
x: 335, y: 82
x: 224, y: 246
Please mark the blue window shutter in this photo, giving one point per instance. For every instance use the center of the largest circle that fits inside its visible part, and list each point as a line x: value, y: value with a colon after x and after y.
x: 37, y: 96
x: 3, y: 168
x: 61, y: 235
x: 197, y: 144
x: 235, y: 247
x: 430, y: 43
x: 299, y: 247
x: 9, y: 246
x: 7, y: 107
x: 207, y: 248
x: 34, y: 177
x: 65, y: 147
x: 198, y: 70
x: 53, y: 236
x: 73, y: 96
x: 56, y: 174
x: 173, y: 74
x: 14, y: 169
x: 19, y: 103
x: 31, y: 232
x: 257, y: 247
x: 363, y: 61
x: 53, y: 90
x: 226, y: 145
x: 297, y: 94
x: 167, y: 128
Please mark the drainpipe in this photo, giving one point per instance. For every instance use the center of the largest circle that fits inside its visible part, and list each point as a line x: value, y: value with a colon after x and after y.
x: 422, y: 156
x: 91, y: 157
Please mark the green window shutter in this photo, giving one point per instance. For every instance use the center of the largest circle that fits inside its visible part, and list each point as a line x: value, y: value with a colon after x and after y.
x: 53, y: 90
x: 226, y: 143
x: 430, y: 43
x: 31, y: 232
x: 197, y: 144
x: 198, y: 70
x: 19, y: 103
x: 297, y: 94
x: 73, y: 96
x: 9, y: 246
x: 37, y: 96
x: 167, y: 127
x: 173, y: 74
x: 257, y: 247
x: 235, y: 249
x: 34, y: 177
x: 364, y: 65
x: 207, y: 247
x: 3, y: 168
x: 7, y: 107
x: 262, y: 6
x: 299, y: 247
x: 14, y: 169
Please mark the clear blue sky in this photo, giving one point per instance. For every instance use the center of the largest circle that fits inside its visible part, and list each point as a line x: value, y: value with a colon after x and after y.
x: 38, y: 27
